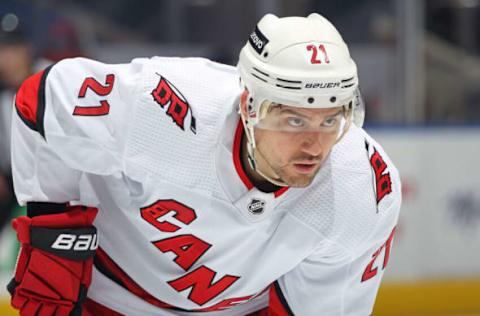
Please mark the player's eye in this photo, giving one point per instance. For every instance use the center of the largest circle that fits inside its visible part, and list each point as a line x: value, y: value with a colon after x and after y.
x: 330, y: 121
x: 295, y: 121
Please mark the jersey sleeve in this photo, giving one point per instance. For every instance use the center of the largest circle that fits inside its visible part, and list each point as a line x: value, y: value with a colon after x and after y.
x: 332, y: 281
x: 70, y: 120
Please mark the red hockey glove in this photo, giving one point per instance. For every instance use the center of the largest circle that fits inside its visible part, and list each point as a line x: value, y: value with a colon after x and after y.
x: 54, y: 265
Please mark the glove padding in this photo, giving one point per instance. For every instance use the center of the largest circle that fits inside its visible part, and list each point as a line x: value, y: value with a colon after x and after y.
x: 54, y: 266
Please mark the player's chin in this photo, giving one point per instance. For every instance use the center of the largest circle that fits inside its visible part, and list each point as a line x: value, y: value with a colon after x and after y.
x: 298, y: 181
x: 301, y: 179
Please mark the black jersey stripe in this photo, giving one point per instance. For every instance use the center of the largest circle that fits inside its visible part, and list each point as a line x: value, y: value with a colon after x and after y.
x: 281, y: 297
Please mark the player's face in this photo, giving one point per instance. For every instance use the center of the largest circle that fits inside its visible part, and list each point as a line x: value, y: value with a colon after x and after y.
x: 292, y: 143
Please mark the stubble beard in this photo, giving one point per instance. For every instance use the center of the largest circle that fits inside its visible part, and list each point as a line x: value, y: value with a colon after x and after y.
x: 295, y: 180
x: 285, y: 171
x: 286, y: 174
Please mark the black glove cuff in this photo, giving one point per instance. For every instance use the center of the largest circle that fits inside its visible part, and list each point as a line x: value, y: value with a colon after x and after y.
x: 45, y: 208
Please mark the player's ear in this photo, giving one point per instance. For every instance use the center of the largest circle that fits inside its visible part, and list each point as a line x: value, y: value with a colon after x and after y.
x: 243, y: 103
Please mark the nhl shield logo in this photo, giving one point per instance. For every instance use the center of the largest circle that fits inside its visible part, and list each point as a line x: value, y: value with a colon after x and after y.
x: 256, y: 206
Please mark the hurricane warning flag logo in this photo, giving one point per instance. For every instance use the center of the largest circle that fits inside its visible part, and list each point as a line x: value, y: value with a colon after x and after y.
x: 176, y: 105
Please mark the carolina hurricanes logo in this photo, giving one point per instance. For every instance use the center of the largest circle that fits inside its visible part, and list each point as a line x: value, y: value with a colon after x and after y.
x: 176, y: 105
x: 383, y: 182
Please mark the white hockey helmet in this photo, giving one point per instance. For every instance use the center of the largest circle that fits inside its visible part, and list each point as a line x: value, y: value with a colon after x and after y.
x: 301, y: 62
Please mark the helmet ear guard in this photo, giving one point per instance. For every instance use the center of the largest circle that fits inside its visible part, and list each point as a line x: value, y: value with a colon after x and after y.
x: 358, y: 109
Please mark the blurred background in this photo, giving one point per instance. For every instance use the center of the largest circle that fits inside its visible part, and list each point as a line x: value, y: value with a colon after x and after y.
x: 419, y: 68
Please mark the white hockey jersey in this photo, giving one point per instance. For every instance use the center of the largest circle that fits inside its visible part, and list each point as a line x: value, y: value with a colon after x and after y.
x: 154, y: 145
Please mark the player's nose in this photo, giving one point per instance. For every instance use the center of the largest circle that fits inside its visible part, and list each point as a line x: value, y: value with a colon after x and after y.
x: 312, y: 143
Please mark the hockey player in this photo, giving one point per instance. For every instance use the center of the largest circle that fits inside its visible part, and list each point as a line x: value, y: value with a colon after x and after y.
x: 168, y: 186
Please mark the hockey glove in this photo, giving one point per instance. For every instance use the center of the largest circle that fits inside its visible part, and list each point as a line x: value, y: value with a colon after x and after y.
x: 54, y: 266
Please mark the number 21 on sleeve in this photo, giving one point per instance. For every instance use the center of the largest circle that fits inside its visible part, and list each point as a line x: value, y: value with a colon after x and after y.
x: 99, y: 89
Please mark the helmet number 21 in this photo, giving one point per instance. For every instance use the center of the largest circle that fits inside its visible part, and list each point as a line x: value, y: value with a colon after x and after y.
x: 314, y: 50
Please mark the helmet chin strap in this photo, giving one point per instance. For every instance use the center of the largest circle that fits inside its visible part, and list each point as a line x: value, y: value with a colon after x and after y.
x: 270, y: 179
x: 252, y: 150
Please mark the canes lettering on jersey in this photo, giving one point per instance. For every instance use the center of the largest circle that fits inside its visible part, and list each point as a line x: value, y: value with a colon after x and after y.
x: 188, y: 249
